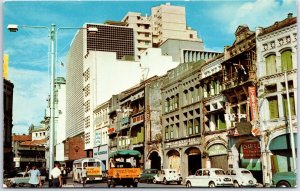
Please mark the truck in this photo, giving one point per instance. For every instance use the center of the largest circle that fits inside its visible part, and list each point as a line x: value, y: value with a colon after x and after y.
x: 124, y: 168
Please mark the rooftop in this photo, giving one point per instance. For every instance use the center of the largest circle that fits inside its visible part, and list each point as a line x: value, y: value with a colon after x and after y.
x: 21, y: 138
x: 279, y: 24
x: 34, y: 142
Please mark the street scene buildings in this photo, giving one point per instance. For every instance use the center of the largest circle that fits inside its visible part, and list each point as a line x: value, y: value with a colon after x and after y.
x: 181, y: 106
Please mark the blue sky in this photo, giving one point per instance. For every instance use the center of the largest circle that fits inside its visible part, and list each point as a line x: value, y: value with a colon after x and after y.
x: 215, y: 21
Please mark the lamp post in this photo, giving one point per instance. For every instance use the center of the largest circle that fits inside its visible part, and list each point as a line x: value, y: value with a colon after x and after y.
x: 52, y: 34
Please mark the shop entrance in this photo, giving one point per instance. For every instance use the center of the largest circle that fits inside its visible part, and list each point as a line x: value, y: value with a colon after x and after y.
x: 155, y: 160
x: 194, y: 160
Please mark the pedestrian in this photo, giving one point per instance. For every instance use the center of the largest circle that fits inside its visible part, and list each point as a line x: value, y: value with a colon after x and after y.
x: 35, y: 176
x: 56, y: 176
x: 64, y: 175
x: 83, y: 176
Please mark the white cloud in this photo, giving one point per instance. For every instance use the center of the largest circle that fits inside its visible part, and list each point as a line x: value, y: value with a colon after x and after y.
x: 255, y: 13
x: 31, y: 89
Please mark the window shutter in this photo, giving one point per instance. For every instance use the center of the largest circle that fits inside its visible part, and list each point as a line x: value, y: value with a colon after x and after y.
x: 273, y: 108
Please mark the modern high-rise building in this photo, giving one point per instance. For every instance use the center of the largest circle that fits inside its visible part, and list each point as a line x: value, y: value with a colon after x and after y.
x: 92, y: 60
x: 165, y: 22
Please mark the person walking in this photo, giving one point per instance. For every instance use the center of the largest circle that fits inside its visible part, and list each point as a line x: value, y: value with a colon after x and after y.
x: 64, y: 175
x: 56, y: 176
x: 35, y: 176
x: 83, y: 176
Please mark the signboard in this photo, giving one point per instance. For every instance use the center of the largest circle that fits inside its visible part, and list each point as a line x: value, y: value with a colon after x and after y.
x: 184, y: 142
x: 92, y: 171
x: 217, y: 149
x: 251, y: 150
x: 17, y: 159
x: 253, y: 104
x: 97, y: 138
x: 244, y: 128
x: 111, y: 130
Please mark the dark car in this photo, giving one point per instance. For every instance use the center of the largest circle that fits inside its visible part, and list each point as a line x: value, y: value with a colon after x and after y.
x: 284, y: 179
x: 148, y: 175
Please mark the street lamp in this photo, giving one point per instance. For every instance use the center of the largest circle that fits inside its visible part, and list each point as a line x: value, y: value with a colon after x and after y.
x: 52, y: 34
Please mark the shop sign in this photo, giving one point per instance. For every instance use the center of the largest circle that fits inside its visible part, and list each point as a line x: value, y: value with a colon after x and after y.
x: 111, y: 130
x: 97, y: 138
x: 183, y: 142
x: 251, y: 150
x: 253, y: 104
x: 217, y: 149
x: 244, y: 128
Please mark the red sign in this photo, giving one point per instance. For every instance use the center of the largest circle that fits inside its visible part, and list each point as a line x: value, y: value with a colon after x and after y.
x: 111, y: 130
x: 253, y: 104
x: 251, y: 150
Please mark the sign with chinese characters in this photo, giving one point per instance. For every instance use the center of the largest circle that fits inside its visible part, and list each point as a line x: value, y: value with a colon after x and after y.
x: 251, y: 150
x: 253, y: 104
x: 183, y: 142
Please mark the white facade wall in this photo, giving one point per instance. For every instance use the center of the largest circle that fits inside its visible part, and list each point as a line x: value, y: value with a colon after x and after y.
x: 60, y: 120
x: 274, y: 43
x: 39, y: 135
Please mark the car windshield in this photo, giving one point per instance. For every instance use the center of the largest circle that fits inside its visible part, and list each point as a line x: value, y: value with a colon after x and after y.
x: 245, y: 172
x: 220, y: 172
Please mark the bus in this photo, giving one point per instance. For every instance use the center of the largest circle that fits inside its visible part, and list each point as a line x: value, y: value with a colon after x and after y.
x: 93, y: 166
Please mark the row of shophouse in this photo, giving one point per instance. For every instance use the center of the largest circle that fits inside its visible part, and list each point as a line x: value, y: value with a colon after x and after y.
x: 229, y: 111
x: 224, y: 110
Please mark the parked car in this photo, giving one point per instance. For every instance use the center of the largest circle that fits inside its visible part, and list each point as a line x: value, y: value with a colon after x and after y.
x: 21, y: 179
x: 284, y: 179
x: 209, y: 177
x: 148, y: 175
x: 167, y: 176
x: 242, y: 177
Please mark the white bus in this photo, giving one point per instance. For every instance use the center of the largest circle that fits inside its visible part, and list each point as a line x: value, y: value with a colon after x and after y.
x: 93, y: 168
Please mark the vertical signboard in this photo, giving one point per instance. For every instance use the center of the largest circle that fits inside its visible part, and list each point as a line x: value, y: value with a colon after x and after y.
x: 253, y: 104
x: 5, y: 66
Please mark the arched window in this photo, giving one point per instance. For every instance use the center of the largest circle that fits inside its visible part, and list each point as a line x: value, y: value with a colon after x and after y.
x: 271, y: 64
x: 286, y: 60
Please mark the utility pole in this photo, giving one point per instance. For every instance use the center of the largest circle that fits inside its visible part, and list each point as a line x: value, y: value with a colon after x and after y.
x: 290, y: 123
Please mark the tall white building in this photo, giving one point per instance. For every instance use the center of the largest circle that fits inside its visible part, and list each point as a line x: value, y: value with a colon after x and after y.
x: 92, y: 75
x: 277, y: 54
x: 60, y: 118
x: 165, y: 22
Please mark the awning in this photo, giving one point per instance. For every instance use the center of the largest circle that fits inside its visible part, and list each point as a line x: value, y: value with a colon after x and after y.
x: 282, y: 142
x: 125, y: 153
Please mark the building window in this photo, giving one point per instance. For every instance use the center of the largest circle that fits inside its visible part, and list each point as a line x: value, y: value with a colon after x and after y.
x: 286, y: 61
x: 271, y: 64
x: 172, y: 134
x: 176, y: 101
x: 86, y: 75
x: 167, y: 103
x: 167, y: 132
x: 285, y: 105
x: 147, y: 43
x: 191, y: 35
x: 87, y: 122
x: 87, y: 90
x: 197, y: 126
x: 221, y: 121
x: 87, y: 106
x: 290, y: 85
x: 36, y: 134
x: 273, y: 107
x: 190, y: 128
x: 146, y: 34
x: 270, y: 88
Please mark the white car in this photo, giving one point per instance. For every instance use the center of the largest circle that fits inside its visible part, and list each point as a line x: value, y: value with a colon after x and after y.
x: 166, y: 176
x: 242, y: 177
x: 209, y: 177
x: 22, y: 178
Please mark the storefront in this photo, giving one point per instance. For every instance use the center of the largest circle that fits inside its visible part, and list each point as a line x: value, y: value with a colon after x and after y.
x: 250, y: 154
x: 183, y: 155
x: 217, y: 154
x: 280, y: 146
x: 101, y: 152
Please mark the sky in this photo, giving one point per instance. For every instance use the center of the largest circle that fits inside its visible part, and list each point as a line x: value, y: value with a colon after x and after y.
x: 28, y: 49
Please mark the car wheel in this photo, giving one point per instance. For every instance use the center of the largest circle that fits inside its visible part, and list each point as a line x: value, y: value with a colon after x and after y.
x: 283, y: 184
x: 135, y: 185
x: 211, y: 185
x: 154, y: 181
x: 188, y: 184
x: 236, y: 184
x: 165, y: 181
